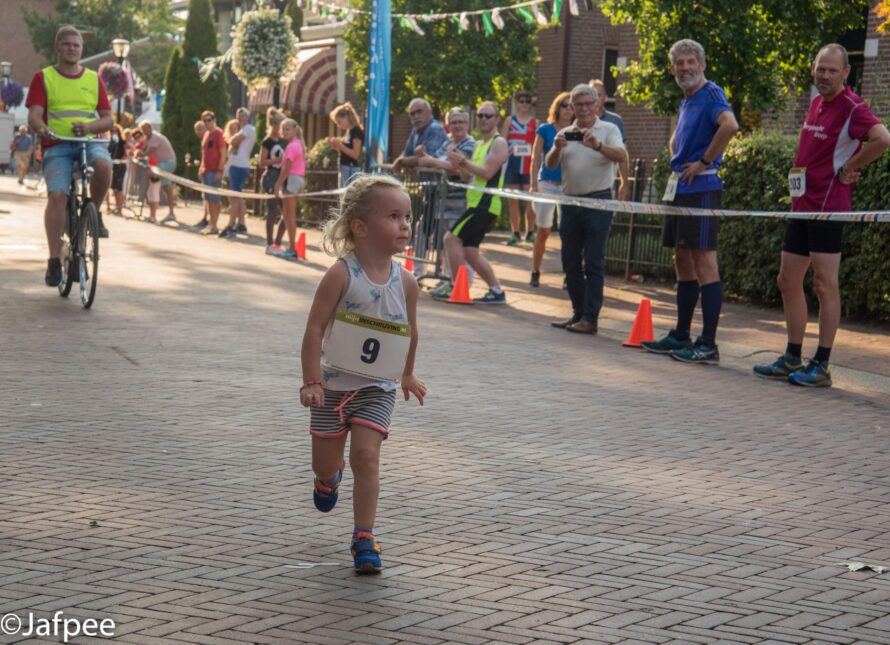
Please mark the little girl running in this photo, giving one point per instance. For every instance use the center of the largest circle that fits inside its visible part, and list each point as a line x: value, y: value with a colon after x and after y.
x: 360, y: 341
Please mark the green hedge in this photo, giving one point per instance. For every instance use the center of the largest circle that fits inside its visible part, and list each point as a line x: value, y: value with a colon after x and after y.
x: 755, y: 174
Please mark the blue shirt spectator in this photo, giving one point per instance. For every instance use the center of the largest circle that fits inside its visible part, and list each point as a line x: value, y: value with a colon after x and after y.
x: 547, y: 132
x: 426, y: 132
x: 696, y: 126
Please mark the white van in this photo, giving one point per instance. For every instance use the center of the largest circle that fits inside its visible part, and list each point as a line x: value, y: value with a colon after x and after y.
x: 7, y: 134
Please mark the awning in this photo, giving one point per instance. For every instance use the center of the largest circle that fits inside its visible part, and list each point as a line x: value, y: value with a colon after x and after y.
x: 312, y: 88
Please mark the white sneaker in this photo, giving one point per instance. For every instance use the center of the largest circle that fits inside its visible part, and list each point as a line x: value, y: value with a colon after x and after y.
x: 169, y: 218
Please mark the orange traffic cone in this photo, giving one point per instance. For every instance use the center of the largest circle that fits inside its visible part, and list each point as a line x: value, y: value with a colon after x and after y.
x: 409, y: 261
x: 300, y: 246
x: 642, y: 327
x: 460, y: 294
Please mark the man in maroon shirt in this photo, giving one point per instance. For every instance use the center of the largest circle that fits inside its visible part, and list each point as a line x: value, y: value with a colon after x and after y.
x: 839, y: 137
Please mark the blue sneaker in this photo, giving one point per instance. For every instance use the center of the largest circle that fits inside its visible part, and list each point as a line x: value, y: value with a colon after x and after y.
x: 492, y: 298
x: 700, y: 352
x: 325, y: 497
x: 366, y: 554
x: 287, y: 254
x: 666, y: 345
x: 815, y: 374
x: 779, y: 369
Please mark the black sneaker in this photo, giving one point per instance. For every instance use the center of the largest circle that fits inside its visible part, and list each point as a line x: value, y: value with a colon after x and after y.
x: 103, y: 232
x: 53, y: 275
x: 241, y: 228
x: 201, y: 225
x: 227, y: 232
x: 536, y: 279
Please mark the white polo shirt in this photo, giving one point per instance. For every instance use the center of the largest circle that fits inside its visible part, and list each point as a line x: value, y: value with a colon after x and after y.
x: 584, y: 170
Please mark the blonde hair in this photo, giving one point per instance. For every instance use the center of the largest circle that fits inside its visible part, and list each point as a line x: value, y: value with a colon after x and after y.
x: 273, y: 118
x: 228, y: 132
x: 298, y: 131
x: 337, y: 239
x: 67, y: 30
x: 346, y: 111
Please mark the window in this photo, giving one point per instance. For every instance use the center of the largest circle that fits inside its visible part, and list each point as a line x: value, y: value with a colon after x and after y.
x: 610, y: 59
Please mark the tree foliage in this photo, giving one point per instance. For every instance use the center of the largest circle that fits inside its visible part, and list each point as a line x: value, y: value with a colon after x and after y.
x: 103, y: 20
x: 446, y: 66
x: 759, y: 52
x: 185, y: 95
x: 882, y: 11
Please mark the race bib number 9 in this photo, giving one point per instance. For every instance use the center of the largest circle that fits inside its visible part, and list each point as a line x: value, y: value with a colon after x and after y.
x: 670, y: 190
x: 367, y: 346
x: 522, y: 150
x: 797, y: 182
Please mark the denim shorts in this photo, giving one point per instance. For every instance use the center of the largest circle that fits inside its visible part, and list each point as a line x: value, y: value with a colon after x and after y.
x: 237, y: 177
x: 168, y: 166
x: 211, y: 179
x: 59, y: 160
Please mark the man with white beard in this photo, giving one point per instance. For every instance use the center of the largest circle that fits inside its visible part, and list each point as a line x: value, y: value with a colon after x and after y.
x: 705, y: 126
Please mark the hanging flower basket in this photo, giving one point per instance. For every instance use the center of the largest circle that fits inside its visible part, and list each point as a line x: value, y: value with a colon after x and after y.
x: 263, y: 47
x: 115, y: 78
x: 11, y: 94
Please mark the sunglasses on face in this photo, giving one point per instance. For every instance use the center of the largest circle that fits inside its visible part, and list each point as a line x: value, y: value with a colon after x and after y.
x: 486, y: 116
x: 565, y: 105
x: 209, y: 119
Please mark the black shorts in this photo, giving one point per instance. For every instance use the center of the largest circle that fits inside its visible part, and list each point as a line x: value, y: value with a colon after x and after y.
x: 803, y: 236
x: 118, y: 172
x: 472, y: 226
x: 687, y: 232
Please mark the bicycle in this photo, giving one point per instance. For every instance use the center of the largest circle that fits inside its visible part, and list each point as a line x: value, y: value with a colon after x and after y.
x: 80, y: 241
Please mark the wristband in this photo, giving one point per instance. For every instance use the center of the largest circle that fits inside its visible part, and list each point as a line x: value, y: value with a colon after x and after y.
x: 705, y: 162
x: 600, y: 148
x: 310, y: 384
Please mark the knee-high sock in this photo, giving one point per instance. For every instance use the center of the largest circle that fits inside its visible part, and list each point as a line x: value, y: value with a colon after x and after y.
x: 687, y: 299
x: 711, y: 303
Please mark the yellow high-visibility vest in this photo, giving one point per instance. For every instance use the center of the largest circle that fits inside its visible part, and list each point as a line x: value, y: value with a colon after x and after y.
x: 70, y: 100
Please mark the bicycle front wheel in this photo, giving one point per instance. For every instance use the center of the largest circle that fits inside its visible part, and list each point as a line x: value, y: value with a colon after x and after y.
x: 88, y: 253
x: 69, y: 248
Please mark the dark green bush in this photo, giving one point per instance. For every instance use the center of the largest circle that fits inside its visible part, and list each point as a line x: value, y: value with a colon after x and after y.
x: 755, y: 171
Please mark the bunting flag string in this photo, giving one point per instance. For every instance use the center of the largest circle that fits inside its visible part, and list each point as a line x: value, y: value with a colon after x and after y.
x: 544, y: 13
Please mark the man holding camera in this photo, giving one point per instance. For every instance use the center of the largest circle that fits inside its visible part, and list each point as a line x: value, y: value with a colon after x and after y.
x: 588, y: 150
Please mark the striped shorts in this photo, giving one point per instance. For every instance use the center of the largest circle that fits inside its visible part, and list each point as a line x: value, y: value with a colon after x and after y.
x: 370, y: 407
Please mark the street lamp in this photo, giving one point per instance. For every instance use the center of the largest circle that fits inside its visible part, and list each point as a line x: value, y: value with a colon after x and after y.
x: 121, y: 48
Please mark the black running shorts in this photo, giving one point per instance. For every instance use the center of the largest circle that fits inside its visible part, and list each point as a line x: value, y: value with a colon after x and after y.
x: 803, y: 236
x: 689, y: 232
x: 472, y: 226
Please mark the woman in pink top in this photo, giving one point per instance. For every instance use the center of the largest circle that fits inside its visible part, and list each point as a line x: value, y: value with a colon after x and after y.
x: 290, y: 182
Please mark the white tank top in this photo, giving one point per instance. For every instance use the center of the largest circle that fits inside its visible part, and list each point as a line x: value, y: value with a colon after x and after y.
x: 384, y: 301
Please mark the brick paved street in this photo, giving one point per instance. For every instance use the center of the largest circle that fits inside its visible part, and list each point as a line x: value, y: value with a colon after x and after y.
x: 554, y: 489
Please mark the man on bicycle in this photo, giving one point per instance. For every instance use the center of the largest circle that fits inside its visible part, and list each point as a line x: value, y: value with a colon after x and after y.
x: 69, y: 101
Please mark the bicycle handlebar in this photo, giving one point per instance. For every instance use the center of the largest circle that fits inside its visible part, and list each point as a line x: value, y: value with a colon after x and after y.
x: 56, y: 137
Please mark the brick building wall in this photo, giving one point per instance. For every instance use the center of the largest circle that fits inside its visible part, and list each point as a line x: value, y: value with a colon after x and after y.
x: 876, y: 77
x: 17, y: 48
x: 574, y: 53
